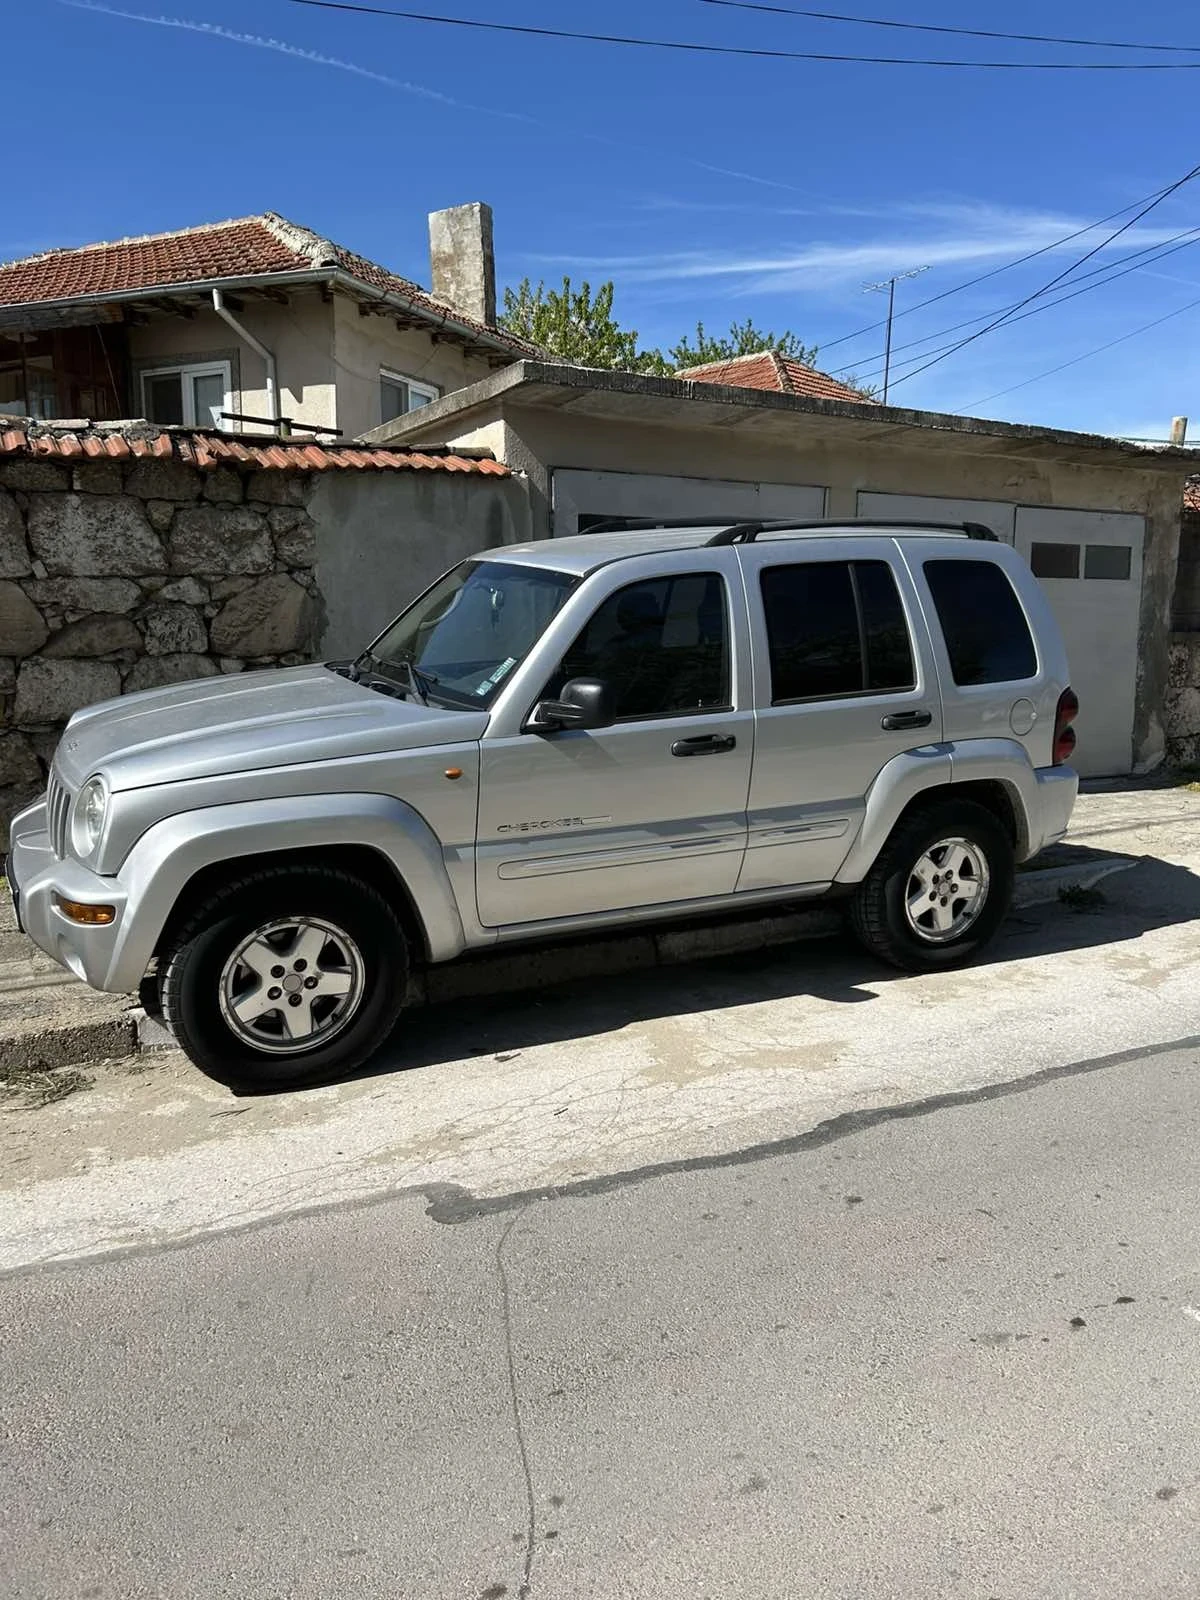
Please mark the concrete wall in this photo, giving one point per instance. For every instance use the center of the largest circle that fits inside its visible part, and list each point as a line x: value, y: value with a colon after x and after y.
x: 300, y: 335
x: 383, y: 538
x: 364, y: 344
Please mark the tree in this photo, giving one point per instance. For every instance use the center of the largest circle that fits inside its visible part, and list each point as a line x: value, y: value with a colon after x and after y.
x: 577, y: 325
x: 743, y: 339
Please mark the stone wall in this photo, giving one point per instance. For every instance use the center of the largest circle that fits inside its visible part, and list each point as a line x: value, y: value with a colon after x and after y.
x: 1182, y: 712
x: 119, y: 576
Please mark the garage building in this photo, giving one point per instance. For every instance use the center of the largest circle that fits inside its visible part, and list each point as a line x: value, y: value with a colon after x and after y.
x: 1098, y: 519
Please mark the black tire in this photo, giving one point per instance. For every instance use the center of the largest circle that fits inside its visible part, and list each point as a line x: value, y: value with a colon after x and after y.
x: 196, y: 957
x: 878, y: 910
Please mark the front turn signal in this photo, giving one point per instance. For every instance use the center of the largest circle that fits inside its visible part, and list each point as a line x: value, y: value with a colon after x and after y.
x: 89, y: 916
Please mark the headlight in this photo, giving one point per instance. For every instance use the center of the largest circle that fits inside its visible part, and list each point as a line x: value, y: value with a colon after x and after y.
x: 87, y: 824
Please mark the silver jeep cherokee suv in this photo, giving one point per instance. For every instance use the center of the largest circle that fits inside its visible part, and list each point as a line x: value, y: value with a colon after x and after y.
x: 635, y: 724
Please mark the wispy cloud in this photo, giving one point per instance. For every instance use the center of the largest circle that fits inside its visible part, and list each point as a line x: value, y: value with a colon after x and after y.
x: 961, y: 235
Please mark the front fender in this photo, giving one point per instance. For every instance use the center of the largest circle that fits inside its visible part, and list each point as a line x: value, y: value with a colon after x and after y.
x: 169, y: 855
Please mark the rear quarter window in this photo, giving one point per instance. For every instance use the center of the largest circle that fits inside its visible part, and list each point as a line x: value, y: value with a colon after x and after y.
x: 985, y: 629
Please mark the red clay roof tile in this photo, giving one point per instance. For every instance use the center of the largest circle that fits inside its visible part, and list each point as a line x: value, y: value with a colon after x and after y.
x: 769, y: 370
x: 246, y: 247
x: 205, y: 450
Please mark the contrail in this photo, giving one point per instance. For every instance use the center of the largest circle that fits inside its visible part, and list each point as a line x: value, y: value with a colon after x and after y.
x: 316, y: 58
x: 281, y: 47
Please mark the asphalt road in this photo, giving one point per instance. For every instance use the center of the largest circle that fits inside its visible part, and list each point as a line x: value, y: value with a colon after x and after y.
x: 941, y: 1349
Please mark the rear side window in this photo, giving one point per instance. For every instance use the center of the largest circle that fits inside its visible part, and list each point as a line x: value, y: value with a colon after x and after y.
x: 987, y: 636
x: 835, y: 628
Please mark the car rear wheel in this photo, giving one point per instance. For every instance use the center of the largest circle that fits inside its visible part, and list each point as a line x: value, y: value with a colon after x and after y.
x: 285, y: 977
x: 939, y: 889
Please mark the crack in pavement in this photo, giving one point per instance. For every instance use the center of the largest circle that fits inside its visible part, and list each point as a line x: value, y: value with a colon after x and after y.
x: 525, y: 1588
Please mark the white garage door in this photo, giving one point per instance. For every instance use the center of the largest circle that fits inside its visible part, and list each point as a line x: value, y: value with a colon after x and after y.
x: 1090, y: 565
x: 579, y: 497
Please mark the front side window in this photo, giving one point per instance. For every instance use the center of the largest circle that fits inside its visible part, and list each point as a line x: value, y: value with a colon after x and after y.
x: 188, y: 396
x: 835, y: 628
x: 399, y: 395
x: 662, y: 645
x: 987, y: 636
x: 471, y: 629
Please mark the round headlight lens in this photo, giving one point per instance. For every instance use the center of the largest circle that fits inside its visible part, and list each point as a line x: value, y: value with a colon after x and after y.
x: 90, y: 811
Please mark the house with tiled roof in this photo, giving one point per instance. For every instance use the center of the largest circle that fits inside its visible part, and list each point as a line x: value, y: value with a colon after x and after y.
x: 780, y: 374
x: 257, y: 317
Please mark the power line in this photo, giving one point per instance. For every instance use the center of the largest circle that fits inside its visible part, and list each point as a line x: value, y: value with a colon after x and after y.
x: 929, y: 27
x: 994, y: 272
x: 1104, y: 275
x: 1058, y: 278
x: 696, y: 48
x: 1086, y: 356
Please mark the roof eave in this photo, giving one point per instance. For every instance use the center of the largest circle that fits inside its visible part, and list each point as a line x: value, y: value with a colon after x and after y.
x: 332, y: 275
x: 527, y: 374
x: 390, y: 297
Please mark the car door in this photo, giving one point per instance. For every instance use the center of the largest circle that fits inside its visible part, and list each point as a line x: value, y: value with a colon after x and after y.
x: 652, y: 810
x: 844, y: 680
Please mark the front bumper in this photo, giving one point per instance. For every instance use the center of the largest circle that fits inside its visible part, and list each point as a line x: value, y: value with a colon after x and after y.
x: 39, y: 878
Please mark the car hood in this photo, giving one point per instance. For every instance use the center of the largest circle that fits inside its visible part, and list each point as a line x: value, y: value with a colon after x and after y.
x: 247, y: 721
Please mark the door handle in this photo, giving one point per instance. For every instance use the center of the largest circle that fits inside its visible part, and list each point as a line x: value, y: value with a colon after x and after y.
x: 899, y: 720
x: 712, y: 744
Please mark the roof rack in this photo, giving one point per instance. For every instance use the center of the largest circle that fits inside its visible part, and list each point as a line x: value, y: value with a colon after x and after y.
x: 746, y: 532
x: 652, y: 524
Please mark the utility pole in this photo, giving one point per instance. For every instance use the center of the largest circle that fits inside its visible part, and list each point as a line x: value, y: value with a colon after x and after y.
x: 890, y: 285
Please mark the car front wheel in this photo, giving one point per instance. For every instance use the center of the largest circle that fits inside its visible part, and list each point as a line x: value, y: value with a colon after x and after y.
x: 939, y: 889
x: 285, y: 977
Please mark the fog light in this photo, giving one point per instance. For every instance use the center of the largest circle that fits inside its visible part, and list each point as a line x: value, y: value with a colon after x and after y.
x: 90, y: 916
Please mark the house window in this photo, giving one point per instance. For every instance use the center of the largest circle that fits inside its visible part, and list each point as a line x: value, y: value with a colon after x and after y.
x: 399, y: 395
x: 188, y: 396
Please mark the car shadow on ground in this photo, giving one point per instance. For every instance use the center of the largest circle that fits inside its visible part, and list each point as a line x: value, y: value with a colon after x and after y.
x: 1147, y: 895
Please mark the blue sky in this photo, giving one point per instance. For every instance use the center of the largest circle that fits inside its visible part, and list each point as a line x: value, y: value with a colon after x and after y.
x: 708, y: 188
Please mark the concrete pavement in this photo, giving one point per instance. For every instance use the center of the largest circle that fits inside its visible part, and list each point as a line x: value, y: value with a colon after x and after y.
x: 949, y: 1353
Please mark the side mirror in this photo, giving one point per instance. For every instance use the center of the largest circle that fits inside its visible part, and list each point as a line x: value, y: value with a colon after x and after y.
x: 583, y: 703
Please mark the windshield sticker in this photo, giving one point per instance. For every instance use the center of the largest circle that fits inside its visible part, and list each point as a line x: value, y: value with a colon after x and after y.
x: 501, y: 670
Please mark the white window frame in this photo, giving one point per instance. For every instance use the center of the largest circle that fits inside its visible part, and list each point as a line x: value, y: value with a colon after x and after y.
x: 430, y: 392
x: 190, y: 369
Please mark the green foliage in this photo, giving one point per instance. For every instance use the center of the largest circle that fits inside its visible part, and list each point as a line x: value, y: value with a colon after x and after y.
x: 577, y: 326
x: 743, y: 339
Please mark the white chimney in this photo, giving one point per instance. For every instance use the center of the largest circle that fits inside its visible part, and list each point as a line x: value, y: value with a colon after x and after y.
x: 1179, y: 430
x: 463, y: 261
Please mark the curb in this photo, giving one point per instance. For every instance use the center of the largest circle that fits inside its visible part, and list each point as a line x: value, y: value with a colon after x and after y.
x: 25, y: 1055
x: 536, y: 967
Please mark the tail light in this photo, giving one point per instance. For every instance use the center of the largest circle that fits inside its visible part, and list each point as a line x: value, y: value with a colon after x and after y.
x: 1064, y: 733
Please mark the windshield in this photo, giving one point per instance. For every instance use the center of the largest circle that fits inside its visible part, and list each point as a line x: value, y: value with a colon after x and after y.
x: 471, y: 629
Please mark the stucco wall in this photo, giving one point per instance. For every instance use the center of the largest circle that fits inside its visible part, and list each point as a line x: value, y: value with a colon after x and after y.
x: 300, y: 335
x: 382, y: 538
x: 364, y: 344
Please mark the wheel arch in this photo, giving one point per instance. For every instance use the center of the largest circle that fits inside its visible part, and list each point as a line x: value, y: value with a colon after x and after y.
x: 359, y: 860
x: 383, y: 838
